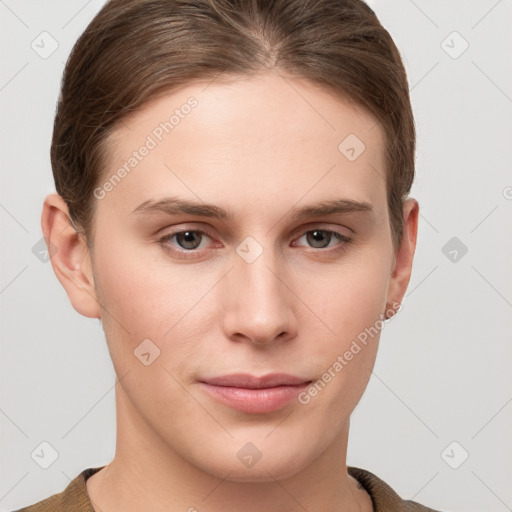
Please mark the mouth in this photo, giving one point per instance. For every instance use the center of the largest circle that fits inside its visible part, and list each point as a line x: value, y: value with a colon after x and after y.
x: 255, y: 395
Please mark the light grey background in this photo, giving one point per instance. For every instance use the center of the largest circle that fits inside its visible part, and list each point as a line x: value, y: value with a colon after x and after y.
x: 443, y: 372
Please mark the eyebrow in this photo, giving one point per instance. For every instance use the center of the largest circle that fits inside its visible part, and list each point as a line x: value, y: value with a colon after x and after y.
x: 174, y: 205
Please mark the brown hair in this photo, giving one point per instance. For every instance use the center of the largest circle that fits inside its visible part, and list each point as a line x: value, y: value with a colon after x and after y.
x: 134, y: 50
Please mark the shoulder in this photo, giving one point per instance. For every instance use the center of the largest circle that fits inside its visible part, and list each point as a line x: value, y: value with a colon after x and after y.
x: 73, y: 498
x: 384, y: 498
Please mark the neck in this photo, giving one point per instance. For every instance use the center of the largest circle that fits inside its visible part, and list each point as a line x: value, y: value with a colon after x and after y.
x: 146, y: 474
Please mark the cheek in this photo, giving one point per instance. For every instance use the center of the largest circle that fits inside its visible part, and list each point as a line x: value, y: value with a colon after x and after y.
x: 350, y: 296
x: 139, y: 299
x: 350, y: 301
x: 133, y: 280
x: 139, y: 304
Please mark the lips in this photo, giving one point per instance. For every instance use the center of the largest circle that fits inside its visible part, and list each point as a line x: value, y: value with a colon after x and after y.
x: 256, y: 395
x: 243, y: 380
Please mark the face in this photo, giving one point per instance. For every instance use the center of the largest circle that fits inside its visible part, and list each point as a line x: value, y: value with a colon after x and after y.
x: 253, y: 280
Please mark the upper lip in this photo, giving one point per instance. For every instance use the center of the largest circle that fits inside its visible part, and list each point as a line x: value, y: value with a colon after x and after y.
x: 244, y: 380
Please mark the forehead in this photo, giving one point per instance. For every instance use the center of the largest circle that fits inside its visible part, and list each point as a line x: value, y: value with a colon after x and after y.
x: 263, y: 136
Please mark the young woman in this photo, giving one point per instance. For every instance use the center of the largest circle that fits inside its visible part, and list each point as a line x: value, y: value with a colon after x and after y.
x: 232, y: 202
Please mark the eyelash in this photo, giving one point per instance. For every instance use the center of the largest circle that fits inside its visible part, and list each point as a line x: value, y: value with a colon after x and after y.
x: 164, y: 242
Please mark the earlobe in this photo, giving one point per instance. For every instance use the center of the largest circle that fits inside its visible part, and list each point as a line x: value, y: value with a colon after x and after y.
x: 70, y: 256
x: 404, y: 255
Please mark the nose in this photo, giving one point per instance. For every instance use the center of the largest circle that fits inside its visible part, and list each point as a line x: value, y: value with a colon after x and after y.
x: 258, y: 304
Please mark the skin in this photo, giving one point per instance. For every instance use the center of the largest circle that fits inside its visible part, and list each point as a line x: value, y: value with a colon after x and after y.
x: 258, y: 146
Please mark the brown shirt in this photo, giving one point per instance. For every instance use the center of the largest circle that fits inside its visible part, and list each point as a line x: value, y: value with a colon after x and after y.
x: 74, y: 498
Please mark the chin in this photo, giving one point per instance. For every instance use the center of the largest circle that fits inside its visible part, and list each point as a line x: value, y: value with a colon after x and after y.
x: 275, y: 466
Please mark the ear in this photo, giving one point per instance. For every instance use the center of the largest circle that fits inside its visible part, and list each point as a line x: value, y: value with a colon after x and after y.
x: 70, y: 257
x: 404, y: 255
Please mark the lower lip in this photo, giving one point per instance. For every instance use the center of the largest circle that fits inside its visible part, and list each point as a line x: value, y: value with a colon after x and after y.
x: 254, y: 400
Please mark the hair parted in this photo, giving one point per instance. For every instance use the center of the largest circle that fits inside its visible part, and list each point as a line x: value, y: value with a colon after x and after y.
x: 134, y: 50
